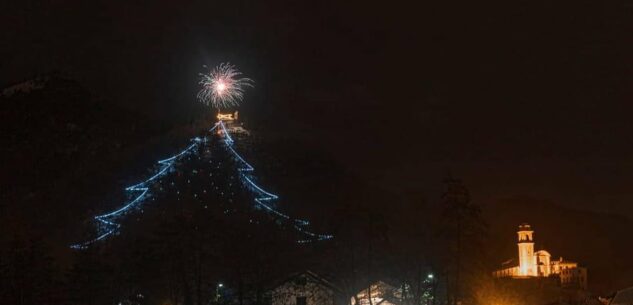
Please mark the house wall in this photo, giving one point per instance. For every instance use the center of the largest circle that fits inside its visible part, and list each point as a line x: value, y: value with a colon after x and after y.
x: 543, y: 261
x: 315, y: 293
x: 381, y: 294
x: 574, y: 277
x: 507, y: 272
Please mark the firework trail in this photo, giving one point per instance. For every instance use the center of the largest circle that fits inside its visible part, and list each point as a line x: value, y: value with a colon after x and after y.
x: 223, y: 87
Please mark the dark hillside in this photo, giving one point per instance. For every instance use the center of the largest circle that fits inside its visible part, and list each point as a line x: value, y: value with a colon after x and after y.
x: 61, y: 149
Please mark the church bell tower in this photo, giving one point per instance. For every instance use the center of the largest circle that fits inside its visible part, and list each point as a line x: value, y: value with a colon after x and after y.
x: 527, y: 260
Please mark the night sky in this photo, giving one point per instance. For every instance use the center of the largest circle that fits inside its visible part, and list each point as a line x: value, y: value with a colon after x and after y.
x: 518, y: 98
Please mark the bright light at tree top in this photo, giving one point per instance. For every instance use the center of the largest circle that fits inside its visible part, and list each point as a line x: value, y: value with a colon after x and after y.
x: 223, y: 87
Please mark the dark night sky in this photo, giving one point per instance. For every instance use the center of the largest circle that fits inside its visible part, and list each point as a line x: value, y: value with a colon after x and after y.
x: 519, y: 98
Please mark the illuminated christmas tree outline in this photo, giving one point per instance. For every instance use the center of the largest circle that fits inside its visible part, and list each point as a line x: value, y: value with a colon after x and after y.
x: 107, y: 223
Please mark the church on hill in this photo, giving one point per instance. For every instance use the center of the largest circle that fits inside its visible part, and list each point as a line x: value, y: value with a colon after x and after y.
x: 533, y: 264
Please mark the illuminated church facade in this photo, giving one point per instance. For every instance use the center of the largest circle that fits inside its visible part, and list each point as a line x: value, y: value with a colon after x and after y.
x: 533, y: 264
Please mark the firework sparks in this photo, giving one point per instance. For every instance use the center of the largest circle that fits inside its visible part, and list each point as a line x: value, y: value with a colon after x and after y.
x: 223, y: 87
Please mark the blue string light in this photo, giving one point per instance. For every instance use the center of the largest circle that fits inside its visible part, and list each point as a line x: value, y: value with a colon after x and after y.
x: 267, y: 196
x: 107, y: 225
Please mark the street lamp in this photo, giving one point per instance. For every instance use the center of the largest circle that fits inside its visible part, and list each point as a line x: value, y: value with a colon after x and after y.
x: 217, y: 292
x: 432, y: 285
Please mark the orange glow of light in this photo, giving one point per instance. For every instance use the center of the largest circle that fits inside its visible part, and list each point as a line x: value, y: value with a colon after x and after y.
x: 225, y: 117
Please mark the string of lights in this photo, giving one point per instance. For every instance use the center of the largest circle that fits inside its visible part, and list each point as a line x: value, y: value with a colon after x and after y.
x: 265, y: 196
x: 107, y: 224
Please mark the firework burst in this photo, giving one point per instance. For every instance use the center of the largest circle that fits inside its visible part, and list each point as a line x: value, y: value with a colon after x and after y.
x: 223, y: 87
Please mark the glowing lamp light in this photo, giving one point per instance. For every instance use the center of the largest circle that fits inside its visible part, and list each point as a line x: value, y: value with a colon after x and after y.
x: 430, y: 276
x: 220, y: 285
x: 227, y: 116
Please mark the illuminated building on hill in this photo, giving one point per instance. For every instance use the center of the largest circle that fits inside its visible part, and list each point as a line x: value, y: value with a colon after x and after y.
x: 539, y: 264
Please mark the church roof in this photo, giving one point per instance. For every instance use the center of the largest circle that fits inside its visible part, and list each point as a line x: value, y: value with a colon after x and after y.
x: 307, y: 274
x: 623, y: 297
x: 543, y: 252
